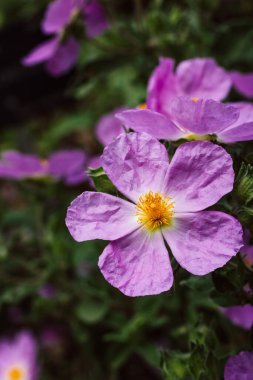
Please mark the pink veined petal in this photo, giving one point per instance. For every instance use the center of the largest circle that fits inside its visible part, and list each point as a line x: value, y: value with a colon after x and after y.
x: 239, y: 367
x: 201, y: 117
x: 203, y: 78
x: 100, y: 216
x: 243, y: 82
x: 109, y: 127
x: 64, y: 58
x: 200, y: 173
x: 151, y: 122
x: 162, y: 86
x: 41, y: 53
x: 136, y: 163
x: 95, y: 18
x: 204, y: 241
x: 57, y: 15
x: 242, y: 129
x: 240, y: 315
x: 137, y: 264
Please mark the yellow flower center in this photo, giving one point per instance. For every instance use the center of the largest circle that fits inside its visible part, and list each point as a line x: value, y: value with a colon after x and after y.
x: 154, y: 210
x: 195, y: 99
x: 15, y: 373
x: 142, y: 106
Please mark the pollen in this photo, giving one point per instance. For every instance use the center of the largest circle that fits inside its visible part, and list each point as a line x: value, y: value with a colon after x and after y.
x: 195, y: 99
x: 15, y: 373
x: 154, y: 210
x: 142, y: 106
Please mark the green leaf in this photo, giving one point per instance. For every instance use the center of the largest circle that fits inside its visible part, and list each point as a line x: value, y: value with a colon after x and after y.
x: 92, y: 311
x: 101, y: 181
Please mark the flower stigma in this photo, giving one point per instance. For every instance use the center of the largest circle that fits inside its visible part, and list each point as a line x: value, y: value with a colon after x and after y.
x: 15, y: 373
x: 154, y: 210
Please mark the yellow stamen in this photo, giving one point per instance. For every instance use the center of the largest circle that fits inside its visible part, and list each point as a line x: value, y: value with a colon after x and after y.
x: 195, y: 99
x: 142, y: 106
x: 154, y: 210
x: 15, y: 373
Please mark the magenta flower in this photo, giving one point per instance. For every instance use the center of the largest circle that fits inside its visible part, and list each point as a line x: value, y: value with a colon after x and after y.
x: 195, y: 78
x: 239, y: 367
x: 60, y: 55
x: 165, y: 203
x: 18, y: 358
x: 66, y: 165
x: 240, y: 315
x: 109, y: 127
x: 194, y: 120
x: 243, y: 82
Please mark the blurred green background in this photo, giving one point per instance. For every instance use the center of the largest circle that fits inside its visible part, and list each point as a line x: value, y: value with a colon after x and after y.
x: 100, y: 333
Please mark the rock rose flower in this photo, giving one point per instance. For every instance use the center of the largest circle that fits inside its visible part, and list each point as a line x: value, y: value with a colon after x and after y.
x: 165, y: 203
x: 66, y: 165
x: 195, y: 78
x: 194, y: 119
x: 60, y: 54
x: 18, y: 358
x: 239, y: 367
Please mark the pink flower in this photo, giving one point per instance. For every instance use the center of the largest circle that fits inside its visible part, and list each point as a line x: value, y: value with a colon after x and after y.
x: 60, y: 55
x: 18, y: 358
x: 193, y: 119
x: 165, y: 203
x: 194, y: 78
x: 66, y: 165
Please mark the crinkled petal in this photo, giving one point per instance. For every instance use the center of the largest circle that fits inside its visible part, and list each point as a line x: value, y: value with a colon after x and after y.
x: 200, y: 174
x: 203, y: 78
x: 41, y: 53
x: 243, y: 82
x: 57, y: 15
x: 239, y: 367
x: 240, y: 315
x: 136, y: 163
x: 162, y: 86
x: 137, y: 264
x: 109, y: 127
x: 203, y: 116
x: 203, y: 241
x: 95, y: 18
x: 64, y: 58
x: 242, y: 129
x: 100, y: 216
x: 151, y: 122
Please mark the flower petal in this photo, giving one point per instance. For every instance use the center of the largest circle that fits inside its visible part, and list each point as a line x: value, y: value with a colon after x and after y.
x: 136, y: 163
x: 109, y: 127
x: 204, y: 241
x: 151, y: 122
x: 64, y: 58
x: 242, y: 129
x: 200, y: 174
x: 95, y: 19
x: 100, y: 216
x: 203, y: 116
x: 57, y: 15
x: 137, y: 264
x: 41, y: 53
x: 162, y: 86
x: 239, y: 367
x: 240, y: 315
x: 203, y: 78
x: 243, y: 82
